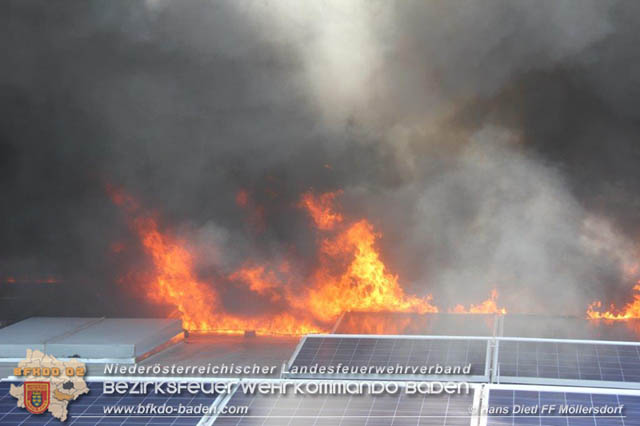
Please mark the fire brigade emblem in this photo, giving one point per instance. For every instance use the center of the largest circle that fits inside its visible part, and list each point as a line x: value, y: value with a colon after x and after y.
x: 49, y: 385
x: 36, y: 396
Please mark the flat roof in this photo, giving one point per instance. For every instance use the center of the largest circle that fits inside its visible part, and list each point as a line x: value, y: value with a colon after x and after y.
x: 34, y: 333
x: 124, y: 339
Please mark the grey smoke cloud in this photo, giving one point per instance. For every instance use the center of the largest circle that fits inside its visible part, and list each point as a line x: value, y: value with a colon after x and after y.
x: 503, y: 134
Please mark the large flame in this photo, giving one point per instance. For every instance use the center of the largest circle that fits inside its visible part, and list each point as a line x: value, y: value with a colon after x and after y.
x: 174, y: 283
x: 350, y: 276
x: 365, y: 284
x: 630, y: 310
x: 489, y: 306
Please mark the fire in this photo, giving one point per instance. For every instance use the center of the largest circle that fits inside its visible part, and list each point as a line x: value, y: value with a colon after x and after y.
x: 350, y: 276
x: 174, y: 283
x: 259, y: 281
x: 365, y: 285
x: 321, y: 209
x: 489, y: 306
x: 630, y: 310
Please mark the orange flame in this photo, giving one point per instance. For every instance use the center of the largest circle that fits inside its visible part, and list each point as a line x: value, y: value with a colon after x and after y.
x: 489, y: 306
x: 198, y: 304
x: 321, y: 209
x: 262, y: 282
x: 175, y: 283
x: 630, y: 310
x: 351, y: 276
x: 365, y: 285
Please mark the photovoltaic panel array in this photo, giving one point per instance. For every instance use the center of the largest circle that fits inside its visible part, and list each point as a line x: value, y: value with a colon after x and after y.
x: 379, y: 352
x: 502, y: 402
x: 89, y: 409
x: 557, y: 362
x: 349, y: 410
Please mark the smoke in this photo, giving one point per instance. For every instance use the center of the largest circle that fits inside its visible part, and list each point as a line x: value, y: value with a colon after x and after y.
x: 493, y: 144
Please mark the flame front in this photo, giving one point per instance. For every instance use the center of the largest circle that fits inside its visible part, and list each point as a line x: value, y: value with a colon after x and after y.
x: 630, y: 310
x: 198, y: 303
x: 173, y: 282
x: 350, y: 276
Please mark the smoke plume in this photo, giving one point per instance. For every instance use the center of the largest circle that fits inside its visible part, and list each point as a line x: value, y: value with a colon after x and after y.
x: 493, y: 144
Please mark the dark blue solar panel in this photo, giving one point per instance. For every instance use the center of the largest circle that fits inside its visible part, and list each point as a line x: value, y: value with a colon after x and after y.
x: 88, y: 409
x: 301, y: 410
x: 381, y: 352
x: 569, y: 361
x: 501, y: 400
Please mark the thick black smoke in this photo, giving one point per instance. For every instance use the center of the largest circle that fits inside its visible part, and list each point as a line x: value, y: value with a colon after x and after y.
x: 494, y: 143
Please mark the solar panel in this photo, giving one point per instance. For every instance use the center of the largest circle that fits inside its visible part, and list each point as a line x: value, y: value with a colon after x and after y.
x: 371, y: 356
x: 563, y: 407
x: 89, y: 409
x: 569, y: 362
x: 348, y: 410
